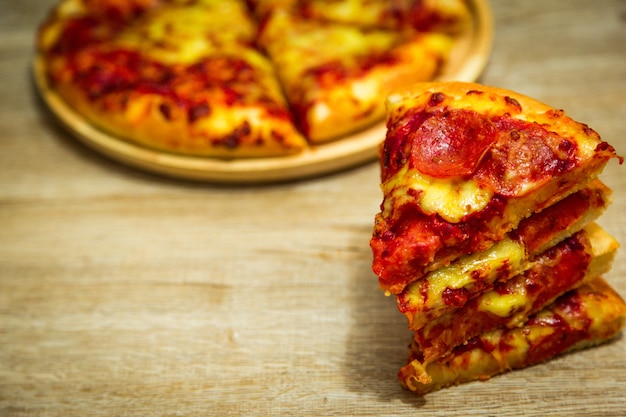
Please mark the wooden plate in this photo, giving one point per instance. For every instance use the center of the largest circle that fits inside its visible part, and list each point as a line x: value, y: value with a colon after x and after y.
x: 467, y: 61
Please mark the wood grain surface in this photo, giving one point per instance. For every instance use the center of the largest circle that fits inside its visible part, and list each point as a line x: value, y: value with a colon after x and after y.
x: 127, y: 294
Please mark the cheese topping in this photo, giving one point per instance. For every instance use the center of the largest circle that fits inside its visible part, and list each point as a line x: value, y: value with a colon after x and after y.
x: 483, y: 265
x: 451, y: 199
x: 502, y: 305
x: 365, y: 89
x: 311, y: 46
x: 174, y: 34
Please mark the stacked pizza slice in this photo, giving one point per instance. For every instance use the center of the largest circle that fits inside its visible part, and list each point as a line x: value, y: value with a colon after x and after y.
x: 487, y: 234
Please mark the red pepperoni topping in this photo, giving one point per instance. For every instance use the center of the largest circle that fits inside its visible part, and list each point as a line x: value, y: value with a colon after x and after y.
x: 503, y: 153
x: 451, y: 143
x: 526, y: 153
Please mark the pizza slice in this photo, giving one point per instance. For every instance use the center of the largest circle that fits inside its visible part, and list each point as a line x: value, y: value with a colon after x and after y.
x: 450, y: 16
x: 178, y: 76
x: 586, y: 255
x: 592, y: 314
x: 334, y: 74
x: 462, y: 165
x: 451, y: 287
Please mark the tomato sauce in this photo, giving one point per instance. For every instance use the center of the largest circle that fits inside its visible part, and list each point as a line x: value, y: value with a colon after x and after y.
x: 556, y: 271
x: 539, y: 229
x: 226, y: 80
x: 329, y: 75
x: 403, y: 248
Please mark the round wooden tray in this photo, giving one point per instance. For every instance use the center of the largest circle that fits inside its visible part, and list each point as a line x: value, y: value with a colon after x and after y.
x: 466, y: 63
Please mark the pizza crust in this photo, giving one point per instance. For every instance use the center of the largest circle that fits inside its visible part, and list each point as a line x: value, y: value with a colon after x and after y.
x: 356, y: 104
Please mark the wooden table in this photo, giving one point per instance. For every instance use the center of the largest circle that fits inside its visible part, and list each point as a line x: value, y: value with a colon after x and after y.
x: 128, y: 294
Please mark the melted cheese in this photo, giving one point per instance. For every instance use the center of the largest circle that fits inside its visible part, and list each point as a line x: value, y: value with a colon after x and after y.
x: 320, y: 111
x: 502, y: 305
x: 311, y: 45
x: 452, y: 199
x: 365, y: 90
x: 485, y: 265
x: 183, y: 34
x: 384, y: 12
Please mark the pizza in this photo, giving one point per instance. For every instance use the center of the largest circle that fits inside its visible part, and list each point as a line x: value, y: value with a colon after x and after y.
x: 359, y: 68
x: 220, y: 78
x: 591, y: 314
x: 462, y: 165
x: 449, y: 288
x: 572, y: 262
x: 486, y: 234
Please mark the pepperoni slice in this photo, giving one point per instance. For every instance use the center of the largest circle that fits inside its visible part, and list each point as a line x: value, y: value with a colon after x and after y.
x: 527, y: 154
x: 451, y: 143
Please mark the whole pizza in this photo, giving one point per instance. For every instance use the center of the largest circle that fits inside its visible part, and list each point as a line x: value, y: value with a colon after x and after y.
x: 235, y: 78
